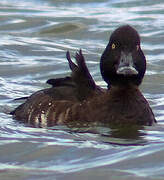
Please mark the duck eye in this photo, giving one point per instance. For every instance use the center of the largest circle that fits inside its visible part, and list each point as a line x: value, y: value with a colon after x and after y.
x: 137, y: 47
x: 113, y: 46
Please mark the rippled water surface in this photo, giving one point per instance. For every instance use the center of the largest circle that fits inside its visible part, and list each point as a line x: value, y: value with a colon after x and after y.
x: 34, y: 36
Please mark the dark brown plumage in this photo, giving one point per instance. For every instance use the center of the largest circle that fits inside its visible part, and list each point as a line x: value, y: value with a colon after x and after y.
x: 77, y: 101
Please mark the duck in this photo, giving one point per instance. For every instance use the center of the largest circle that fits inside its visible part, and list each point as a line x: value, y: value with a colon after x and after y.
x: 76, y: 100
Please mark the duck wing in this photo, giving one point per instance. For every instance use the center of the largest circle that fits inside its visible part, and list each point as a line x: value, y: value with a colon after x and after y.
x: 68, y: 90
x: 66, y: 81
x: 81, y: 80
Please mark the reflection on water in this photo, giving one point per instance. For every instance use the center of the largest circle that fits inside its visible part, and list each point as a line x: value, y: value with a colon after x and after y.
x: 34, y: 36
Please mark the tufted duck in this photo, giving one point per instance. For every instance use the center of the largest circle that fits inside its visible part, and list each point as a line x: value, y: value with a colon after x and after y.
x: 78, y: 101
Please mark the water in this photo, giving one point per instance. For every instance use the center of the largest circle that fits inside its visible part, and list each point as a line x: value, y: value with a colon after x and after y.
x: 34, y: 36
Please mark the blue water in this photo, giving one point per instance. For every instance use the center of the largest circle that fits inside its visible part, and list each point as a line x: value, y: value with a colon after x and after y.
x: 34, y: 36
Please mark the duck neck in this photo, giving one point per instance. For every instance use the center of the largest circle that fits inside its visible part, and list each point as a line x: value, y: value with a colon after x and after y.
x: 123, y: 87
x: 123, y: 92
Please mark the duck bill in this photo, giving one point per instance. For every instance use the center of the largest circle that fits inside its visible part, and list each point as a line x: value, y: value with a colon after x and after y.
x: 126, y: 65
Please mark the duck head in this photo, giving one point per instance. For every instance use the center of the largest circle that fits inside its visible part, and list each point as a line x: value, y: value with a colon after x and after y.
x: 123, y: 62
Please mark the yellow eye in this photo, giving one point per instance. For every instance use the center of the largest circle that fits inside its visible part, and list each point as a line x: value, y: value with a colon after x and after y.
x: 113, y: 46
x: 137, y: 47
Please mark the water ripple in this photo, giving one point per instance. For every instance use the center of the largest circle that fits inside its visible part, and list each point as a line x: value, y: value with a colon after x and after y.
x: 35, y: 35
